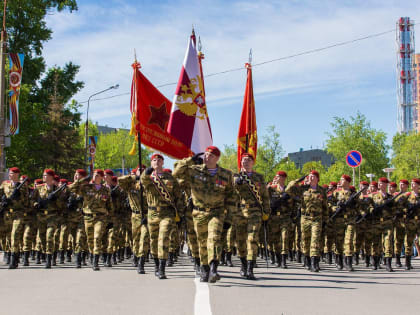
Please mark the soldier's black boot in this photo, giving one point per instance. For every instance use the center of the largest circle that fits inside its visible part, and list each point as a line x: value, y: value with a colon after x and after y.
x: 356, y: 259
x: 148, y: 255
x: 250, y: 271
x: 13, y: 261
x: 91, y: 259
x: 108, y: 262
x: 170, y: 261
x: 290, y: 255
x: 95, y: 265
x: 127, y: 252
x: 375, y: 262
x: 213, y: 277
x: 33, y: 255
x: 223, y: 258
x: 283, y: 262
x: 38, y: 258
x: 398, y: 260
x: 104, y: 258
x: 262, y: 253
x: 48, y: 261
x: 229, y: 259
x: 43, y: 257
x: 26, y: 258
x: 135, y: 261
x: 162, y: 266
x: 140, y: 267
x: 307, y: 263
x: 234, y: 251
x: 279, y: 260
x: 84, y: 259
x: 313, y: 264
x: 243, y: 267
x: 119, y: 256
x: 329, y: 258
x: 272, y: 257
x: 68, y: 255
x: 5, y: 255
x: 54, y: 259
x: 156, y: 260
x: 367, y: 261
x: 79, y: 260
x: 197, y: 265
x: 407, y: 262
x: 339, y: 262
x: 388, y: 261
x: 204, y: 275
x: 62, y: 257
x: 114, y: 258
x: 349, y: 263
x: 299, y: 257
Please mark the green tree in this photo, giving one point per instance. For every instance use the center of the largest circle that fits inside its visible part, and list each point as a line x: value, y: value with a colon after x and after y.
x: 317, y: 166
x: 229, y: 158
x: 406, y: 156
x: 290, y: 168
x: 357, y: 134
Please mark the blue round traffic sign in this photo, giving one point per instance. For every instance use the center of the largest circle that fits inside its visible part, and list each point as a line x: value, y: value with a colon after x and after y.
x: 354, y: 158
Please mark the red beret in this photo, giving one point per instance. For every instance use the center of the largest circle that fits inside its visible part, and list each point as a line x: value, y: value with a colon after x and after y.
x: 69, y: 183
x: 364, y: 183
x: 38, y: 181
x: 325, y: 186
x: 115, y: 179
x: 14, y: 170
x: 404, y: 181
x: 248, y: 155
x: 313, y: 172
x: 352, y: 188
x: 109, y: 172
x: 393, y: 184
x: 81, y: 172
x: 416, y: 180
x: 99, y: 172
x: 63, y: 180
x: 333, y: 184
x: 156, y: 155
x: 167, y: 170
x: 347, y: 178
x: 213, y: 150
x: 384, y: 180
x: 56, y: 178
x: 49, y: 171
x: 373, y: 183
x: 282, y: 173
x: 133, y: 171
x: 24, y: 176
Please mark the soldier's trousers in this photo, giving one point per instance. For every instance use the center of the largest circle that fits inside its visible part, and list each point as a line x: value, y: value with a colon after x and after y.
x: 247, y: 233
x: 231, y: 237
x: 329, y: 238
x: 359, y: 239
x: 6, y: 230
x: 291, y: 235
x: 298, y: 238
x: 141, y: 242
x: 191, y: 235
x: 344, y: 239
x: 388, y: 240
x: 173, y: 238
x: 21, y: 232
x: 67, y: 228
x: 311, y: 235
x: 209, y: 226
x: 412, y: 227
x: 278, y: 236
x: 373, y: 239
x: 95, y: 228
x: 159, y: 224
x: 398, y: 237
x: 47, y: 226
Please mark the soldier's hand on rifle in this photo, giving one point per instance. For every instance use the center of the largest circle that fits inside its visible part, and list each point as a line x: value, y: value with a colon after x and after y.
x: 197, y: 159
x: 149, y: 171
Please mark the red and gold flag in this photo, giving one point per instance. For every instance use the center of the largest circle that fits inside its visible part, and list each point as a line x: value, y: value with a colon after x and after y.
x: 150, y: 116
x: 247, y: 135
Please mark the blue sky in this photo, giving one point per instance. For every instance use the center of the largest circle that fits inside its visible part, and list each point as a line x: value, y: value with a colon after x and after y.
x: 300, y: 96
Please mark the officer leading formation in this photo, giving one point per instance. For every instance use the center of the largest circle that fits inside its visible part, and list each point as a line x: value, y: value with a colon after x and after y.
x: 151, y: 214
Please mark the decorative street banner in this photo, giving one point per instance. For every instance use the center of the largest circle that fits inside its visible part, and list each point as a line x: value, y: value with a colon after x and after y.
x: 15, y: 79
x: 92, y: 152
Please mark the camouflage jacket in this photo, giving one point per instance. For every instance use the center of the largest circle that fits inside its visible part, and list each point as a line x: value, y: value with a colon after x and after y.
x: 313, y: 201
x: 247, y: 202
x: 405, y: 203
x: 131, y: 186
x: 116, y: 200
x: 155, y: 198
x: 378, y: 199
x: 340, y: 196
x: 278, y: 196
x: 95, y: 201
x: 210, y: 193
x: 22, y: 202
x: 41, y: 192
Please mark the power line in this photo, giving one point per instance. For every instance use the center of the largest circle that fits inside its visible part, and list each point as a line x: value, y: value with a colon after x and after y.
x: 307, y: 52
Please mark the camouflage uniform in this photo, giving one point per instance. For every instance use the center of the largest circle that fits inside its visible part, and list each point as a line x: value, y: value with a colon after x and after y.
x: 211, y: 196
x: 329, y: 231
x: 314, y: 211
x: 399, y: 230
x: 18, y: 213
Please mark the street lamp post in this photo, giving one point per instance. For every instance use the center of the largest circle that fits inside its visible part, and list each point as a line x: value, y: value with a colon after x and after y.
x: 388, y: 171
x: 116, y: 86
x: 370, y: 176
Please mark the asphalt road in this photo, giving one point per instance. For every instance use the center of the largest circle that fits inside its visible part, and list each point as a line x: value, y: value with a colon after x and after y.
x: 120, y: 290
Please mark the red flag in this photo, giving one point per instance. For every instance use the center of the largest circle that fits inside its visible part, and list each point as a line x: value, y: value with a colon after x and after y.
x: 150, y: 116
x: 247, y: 135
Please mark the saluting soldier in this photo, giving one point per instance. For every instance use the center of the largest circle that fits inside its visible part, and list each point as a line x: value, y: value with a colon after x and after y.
x: 213, y: 201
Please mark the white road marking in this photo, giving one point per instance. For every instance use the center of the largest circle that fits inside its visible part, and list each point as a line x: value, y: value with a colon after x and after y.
x: 202, y: 298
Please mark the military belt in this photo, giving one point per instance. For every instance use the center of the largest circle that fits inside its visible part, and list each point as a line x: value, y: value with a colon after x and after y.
x: 206, y: 209
x: 160, y: 208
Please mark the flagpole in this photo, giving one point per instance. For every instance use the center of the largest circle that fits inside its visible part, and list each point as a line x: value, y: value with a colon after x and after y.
x: 3, y: 49
x: 248, y: 69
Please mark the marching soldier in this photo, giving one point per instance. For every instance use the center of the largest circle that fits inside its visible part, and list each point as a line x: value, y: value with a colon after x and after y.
x: 360, y: 229
x: 398, y: 222
x: 328, y: 232
x: 213, y: 201
x: 165, y: 204
x: 96, y: 208
x: 254, y: 208
x: 314, y: 213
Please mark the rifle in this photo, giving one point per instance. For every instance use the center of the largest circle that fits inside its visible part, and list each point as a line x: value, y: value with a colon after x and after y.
x: 43, y: 203
x: 342, y: 207
x: 113, y: 190
x: 378, y: 209
x: 5, y: 202
x: 73, y: 202
x: 412, y: 208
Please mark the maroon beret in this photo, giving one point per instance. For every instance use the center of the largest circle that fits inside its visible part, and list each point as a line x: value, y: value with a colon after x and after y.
x: 49, y: 171
x: 416, y: 180
x: 364, y: 183
x: 373, y: 183
x: 313, y: 172
x: 167, y: 170
x: 213, y: 150
x: 393, y: 184
x: 347, y: 178
x: 248, y: 155
x: 99, y: 172
x: 114, y: 179
x: 14, y: 170
x: 282, y: 173
x: 81, y: 172
x: 384, y: 180
x: 333, y: 184
x: 157, y: 155
x: 109, y: 172
x: 404, y: 181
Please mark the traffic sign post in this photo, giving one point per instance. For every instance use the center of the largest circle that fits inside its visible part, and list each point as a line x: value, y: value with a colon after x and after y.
x: 354, y: 159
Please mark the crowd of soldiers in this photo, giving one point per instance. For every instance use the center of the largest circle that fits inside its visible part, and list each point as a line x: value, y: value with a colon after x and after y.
x: 153, y: 212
